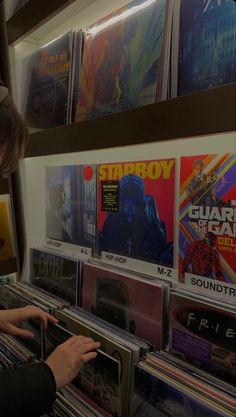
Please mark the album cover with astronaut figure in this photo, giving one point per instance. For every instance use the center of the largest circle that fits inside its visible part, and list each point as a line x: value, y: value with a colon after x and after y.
x: 136, y: 209
x: 71, y: 204
x: 130, y: 303
x: 207, y: 222
x: 204, y: 334
x: 125, y: 59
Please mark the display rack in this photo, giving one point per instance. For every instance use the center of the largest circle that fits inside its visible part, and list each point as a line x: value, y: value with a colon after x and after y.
x: 203, y: 113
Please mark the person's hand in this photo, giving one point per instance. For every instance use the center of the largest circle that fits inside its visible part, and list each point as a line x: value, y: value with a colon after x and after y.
x: 67, y: 359
x: 9, y: 320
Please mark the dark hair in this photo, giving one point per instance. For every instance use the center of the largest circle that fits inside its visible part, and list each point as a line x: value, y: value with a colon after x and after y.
x: 13, y: 136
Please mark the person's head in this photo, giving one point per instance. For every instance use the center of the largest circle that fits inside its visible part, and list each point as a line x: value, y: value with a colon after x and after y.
x: 13, y: 134
x: 198, y: 167
x: 211, y: 238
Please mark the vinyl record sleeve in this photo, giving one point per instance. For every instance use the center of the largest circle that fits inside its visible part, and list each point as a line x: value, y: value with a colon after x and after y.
x: 124, y: 300
x: 46, y: 84
x: 71, y: 204
x: 207, y: 219
x: 71, y: 321
x: 170, y: 398
x: 99, y: 378
x: 207, y: 54
x: 136, y: 209
x: 125, y: 59
x: 56, y: 273
x: 204, y: 335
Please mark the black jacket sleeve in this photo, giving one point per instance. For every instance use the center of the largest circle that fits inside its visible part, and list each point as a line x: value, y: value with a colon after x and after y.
x: 27, y: 391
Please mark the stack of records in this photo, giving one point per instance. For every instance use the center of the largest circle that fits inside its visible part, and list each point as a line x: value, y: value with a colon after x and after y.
x: 99, y: 379
x: 13, y: 353
x: 162, y: 386
x: 71, y: 401
x: 202, y: 333
x: 10, y: 300
x: 41, y: 298
x: 121, y: 351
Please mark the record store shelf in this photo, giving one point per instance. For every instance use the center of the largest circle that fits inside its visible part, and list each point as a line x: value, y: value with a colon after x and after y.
x: 203, y: 113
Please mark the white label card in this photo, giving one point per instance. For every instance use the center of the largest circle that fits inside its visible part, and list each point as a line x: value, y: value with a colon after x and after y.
x: 153, y: 270
x: 211, y: 287
x: 69, y: 248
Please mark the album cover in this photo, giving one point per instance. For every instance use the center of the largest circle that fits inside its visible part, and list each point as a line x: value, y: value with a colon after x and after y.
x: 158, y: 395
x: 56, y: 273
x: 125, y: 59
x: 6, y: 241
x: 204, y: 334
x: 46, y: 84
x: 71, y: 204
x: 99, y: 378
x: 207, y: 222
x: 126, y: 301
x: 136, y: 209
x: 110, y: 345
x: 207, y: 54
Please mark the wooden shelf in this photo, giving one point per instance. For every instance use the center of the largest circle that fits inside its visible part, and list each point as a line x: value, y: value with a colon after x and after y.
x: 202, y: 113
x: 31, y: 16
x: 8, y: 266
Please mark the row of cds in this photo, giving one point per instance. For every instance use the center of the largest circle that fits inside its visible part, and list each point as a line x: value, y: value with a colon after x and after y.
x: 138, y: 372
x: 123, y: 60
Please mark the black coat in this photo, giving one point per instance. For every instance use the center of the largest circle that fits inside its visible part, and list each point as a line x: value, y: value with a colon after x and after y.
x: 27, y: 391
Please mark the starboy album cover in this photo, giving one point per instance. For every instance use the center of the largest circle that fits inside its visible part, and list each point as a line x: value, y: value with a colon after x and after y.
x: 136, y: 209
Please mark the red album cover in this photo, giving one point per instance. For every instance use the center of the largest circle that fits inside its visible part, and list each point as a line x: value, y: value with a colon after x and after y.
x: 207, y: 223
x: 136, y: 209
x: 124, y: 300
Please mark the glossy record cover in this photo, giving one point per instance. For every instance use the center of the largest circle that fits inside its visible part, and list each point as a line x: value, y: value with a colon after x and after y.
x: 207, y: 53
x: 46, y: 83
x: 130, y: 304
x: 158, y: 398
x: 71, y: 204
x: 207, y: 222
x: 99, y: 378
x: 56, y: 273
x: 204, y: 334
x: 122, y: 59
x: 136, y: 209
x: 71, y: 321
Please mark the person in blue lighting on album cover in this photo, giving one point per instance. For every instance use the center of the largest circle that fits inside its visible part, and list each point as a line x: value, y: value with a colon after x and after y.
x: 136, y: 230
x: 30, y: 390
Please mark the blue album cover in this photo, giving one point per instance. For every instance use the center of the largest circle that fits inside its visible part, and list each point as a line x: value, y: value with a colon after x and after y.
x: 207, y: 49
x: 71, y: 204
x: 166, y: 398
